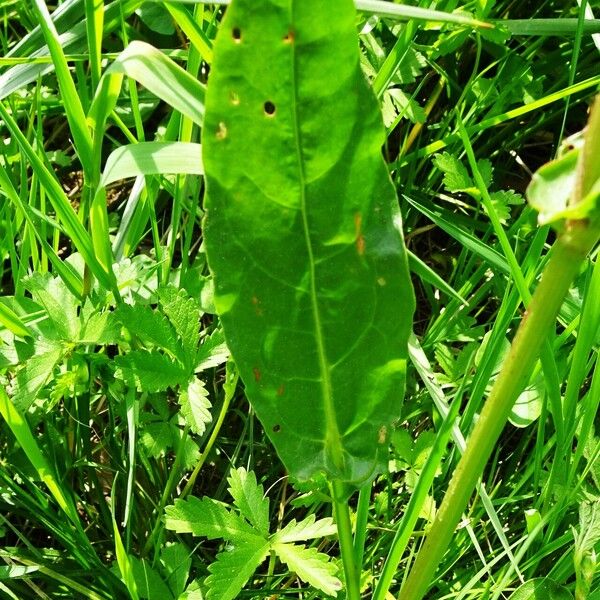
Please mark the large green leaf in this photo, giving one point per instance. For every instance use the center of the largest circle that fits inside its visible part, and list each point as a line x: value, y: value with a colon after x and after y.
x: 541, y: 589
x: 303, y: 234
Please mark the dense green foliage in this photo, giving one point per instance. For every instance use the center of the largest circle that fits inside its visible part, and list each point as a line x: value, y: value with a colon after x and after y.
x: 125, y: 429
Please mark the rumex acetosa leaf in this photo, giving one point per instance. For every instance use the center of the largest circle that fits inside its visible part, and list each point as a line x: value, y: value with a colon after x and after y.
x: 303, y: 235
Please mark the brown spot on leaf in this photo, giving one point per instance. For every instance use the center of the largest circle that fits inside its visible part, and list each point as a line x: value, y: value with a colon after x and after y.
x: 289, y: 37
x: 382, y: 434
x: 360, y: 240
x: 280, y: 390
x: 257, y: 374
x: 234, y: 98
x: 276, y: 428
x: 236, y: 34
x: 221, y: 131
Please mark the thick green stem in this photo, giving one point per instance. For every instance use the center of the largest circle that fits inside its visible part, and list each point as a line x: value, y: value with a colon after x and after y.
x: 567, y: 256
x: 344, y: 527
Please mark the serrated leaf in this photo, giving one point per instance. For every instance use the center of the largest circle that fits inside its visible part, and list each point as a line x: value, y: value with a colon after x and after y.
x: 307, y: 529
x: 34, y: 374
x: 486, y: 170
x: 151, y: 370
x: 248, y: 496
x: 207, y: 518
x: 157, y: 438
x: 405, y: 106
x: 99, y: 328
x: 177, y: 561
x: 184, y: 314
x: 231, y: 571
x: 213, y: 351
x: 502, y: 200
x: 536, y: 589
x: 589, y: 527
x: 58, y: 302
x: 410, y: 67
x: 150, y: 326
x: 456, y: 176
x: 311, y: 566
x: 303, y: 235
x: 192, y: 592
x: 195, y: 406
x: 63, y: 386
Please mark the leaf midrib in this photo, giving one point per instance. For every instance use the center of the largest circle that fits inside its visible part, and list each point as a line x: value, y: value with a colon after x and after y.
x: 332, y: 435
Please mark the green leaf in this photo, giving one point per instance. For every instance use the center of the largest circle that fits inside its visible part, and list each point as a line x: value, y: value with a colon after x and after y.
x: 99, y: 327
x: 307, y: 529
x: 569, y: 187
x: 528, y: 407
x: 232, y: 569
x: 589, y: 527
x: 156, y: 18
x: 206, y: 517
x: 552, y: 186
x: 311, y: 566
x: 212, y: 352
x: 410, y: 67
x: 157, y: 438
x: 303, y: 235
x: 195, y: 406
x: 150, y: 326
x: 148, y: 582
x: 157, y: 73
x: 248, y: 496
x: 456, y: 176
x: 177, y: 561
x: 184, y: 314
x: 58, y: 302
x: 151, y: 370
x: 152, y: 158
x: 541, y: 589
x: 11, y: 321
x: 34, y: 374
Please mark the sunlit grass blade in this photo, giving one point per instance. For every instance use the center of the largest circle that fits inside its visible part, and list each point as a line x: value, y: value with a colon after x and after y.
x: 60, y: 202
x: 157, y: 73
x: 11, y: 321
x: 72, y: 40
x: 72, y: 104
x: 152, y: 158
x: 21, y: 431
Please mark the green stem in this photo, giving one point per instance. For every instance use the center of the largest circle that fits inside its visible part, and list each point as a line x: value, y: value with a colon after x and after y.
x: 567, y: 256
x: 344, y: 527
x: 362, y: 520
